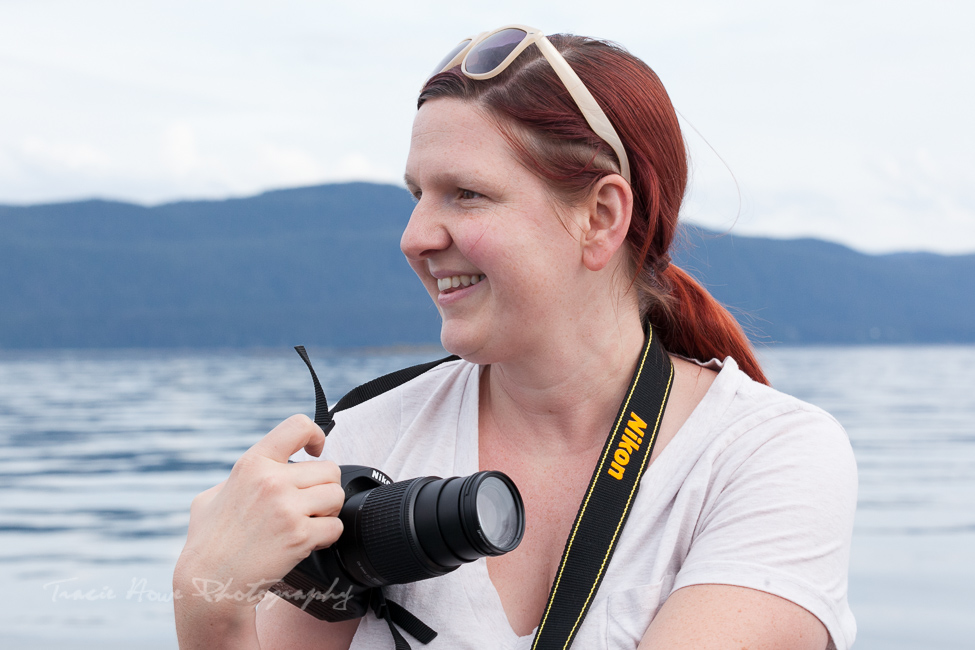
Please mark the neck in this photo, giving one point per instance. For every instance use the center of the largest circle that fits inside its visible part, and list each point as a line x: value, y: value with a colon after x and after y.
x: 567, y: 393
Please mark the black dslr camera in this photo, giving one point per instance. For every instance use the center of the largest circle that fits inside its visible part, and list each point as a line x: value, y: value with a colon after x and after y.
x: 403, y: 532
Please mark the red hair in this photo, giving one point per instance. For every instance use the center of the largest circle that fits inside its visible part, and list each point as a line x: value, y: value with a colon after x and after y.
x: 554, y: 141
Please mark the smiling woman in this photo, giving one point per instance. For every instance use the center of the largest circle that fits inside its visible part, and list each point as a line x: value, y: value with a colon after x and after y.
x: 548, y: 175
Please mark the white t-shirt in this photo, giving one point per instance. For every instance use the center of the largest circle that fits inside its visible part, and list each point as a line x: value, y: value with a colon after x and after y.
x: 757, y: 489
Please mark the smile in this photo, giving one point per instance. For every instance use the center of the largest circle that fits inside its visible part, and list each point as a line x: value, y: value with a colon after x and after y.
x: 456, y: 281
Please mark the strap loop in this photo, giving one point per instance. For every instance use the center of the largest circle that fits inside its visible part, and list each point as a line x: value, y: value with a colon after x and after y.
x: 392, y: 612
x: 323, y: 417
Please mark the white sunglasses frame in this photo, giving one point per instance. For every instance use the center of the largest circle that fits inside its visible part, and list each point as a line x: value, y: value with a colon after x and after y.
x: 587, y: 104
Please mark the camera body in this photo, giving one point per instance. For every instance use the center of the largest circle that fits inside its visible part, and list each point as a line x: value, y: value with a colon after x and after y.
x: 395, y: 533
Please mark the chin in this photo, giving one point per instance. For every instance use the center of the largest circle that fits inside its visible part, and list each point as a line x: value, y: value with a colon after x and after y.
x: 454, y: 344
x: 463, y: 342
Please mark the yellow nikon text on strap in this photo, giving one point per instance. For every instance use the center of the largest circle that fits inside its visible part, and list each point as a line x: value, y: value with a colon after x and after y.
x: 630, y: 443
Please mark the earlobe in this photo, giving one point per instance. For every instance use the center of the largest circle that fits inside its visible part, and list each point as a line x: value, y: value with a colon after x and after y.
x: 609, y: 211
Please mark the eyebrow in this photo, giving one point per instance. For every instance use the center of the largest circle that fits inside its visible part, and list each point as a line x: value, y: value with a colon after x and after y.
x: 449, y: 177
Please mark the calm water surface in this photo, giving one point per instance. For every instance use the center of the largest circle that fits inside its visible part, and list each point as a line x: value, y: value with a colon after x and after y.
x: 101, y: 453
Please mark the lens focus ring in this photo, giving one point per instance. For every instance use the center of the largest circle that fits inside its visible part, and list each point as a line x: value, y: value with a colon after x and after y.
x: 386, y: 530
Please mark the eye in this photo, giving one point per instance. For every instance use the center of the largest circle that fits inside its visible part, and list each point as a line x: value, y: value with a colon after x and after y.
x: 468, y: 195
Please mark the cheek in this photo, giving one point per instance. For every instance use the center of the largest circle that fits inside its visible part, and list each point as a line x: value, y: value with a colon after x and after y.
x: 469, y: 242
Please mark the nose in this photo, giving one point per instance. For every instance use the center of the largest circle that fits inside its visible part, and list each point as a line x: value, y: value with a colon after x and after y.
x: 425, y: 234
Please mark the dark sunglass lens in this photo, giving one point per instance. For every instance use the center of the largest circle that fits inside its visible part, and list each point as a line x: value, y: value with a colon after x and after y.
x: 489, y: 53
x: 447, y: 59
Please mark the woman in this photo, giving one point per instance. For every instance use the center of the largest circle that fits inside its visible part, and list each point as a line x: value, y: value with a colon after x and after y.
x: 541, y: 231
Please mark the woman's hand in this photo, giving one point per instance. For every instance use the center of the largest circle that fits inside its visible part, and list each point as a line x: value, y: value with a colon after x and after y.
x: 249, y: 531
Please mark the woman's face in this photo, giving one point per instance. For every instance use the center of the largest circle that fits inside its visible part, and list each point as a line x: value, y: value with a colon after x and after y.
x: 480, y: 214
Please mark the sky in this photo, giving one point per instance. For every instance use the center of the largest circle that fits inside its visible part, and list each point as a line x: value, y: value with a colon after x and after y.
x: 848, y: 121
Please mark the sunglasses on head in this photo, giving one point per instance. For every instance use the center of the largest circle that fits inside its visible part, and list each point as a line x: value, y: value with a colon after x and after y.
x: 489, y: 53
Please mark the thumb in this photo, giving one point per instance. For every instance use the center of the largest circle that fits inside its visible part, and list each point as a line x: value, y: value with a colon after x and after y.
x: 297, y: 432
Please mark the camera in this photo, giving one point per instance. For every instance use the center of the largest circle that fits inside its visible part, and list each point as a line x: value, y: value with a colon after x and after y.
x: 403, y: 532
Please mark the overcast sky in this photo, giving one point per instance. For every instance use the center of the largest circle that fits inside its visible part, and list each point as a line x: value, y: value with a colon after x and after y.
x: 849, y: 121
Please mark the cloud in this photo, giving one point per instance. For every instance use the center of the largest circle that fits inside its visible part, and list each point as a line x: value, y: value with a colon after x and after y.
x: 855, y: 129
x: 293, y: 163
x: 356, y: 166
x: 180, y: 152
x: 59, y: 156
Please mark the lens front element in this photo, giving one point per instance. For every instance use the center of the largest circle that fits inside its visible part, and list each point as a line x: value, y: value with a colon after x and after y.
x: 498, y: 514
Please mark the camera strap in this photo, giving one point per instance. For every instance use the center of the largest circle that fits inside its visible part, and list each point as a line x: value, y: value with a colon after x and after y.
x: 394, y: 613
x: 368, y: 390
x: 606, y: 506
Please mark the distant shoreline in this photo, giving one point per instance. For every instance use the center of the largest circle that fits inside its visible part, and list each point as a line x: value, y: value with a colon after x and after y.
x: 431, y: 351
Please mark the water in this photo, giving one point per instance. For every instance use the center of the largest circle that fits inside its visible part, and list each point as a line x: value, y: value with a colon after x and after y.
x: 102, y: 452
x: 910, y: 413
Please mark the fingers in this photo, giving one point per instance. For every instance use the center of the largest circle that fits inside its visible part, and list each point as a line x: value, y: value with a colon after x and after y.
x: 315, y: 447
x: 297, y: 432
x: 321, y: 500
x: 314, y: 472
x: 326, y: 530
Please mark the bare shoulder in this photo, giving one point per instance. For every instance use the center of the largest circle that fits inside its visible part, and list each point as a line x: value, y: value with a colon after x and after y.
x: 282, y: 625
x: 725, y: 617
x: 691, y: 381
x: 691, y: 384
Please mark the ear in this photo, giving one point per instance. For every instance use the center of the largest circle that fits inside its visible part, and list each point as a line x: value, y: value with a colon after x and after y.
x: 606, y: 221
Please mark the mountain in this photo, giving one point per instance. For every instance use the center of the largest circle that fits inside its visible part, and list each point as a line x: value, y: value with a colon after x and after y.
x: 321, y: 266
x: 318, y: 265
x: 812, y: 291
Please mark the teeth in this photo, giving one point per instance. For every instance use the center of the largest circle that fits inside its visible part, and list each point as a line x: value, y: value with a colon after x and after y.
x: 455, y: 281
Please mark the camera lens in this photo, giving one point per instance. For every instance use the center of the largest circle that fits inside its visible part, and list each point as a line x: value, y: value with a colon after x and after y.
x: 428, y: 526
x: 403, y: 532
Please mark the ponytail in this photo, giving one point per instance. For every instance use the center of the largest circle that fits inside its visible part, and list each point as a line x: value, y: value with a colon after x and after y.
x: 693, y: 324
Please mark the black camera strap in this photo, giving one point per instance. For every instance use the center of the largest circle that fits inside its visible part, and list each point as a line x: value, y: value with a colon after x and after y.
x: 394, y: 613
x: 368, y: 390
x: 611, y: 492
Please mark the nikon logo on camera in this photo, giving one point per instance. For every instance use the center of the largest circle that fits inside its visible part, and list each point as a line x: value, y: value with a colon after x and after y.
x: 630, y: 443
x: 380, y: 477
